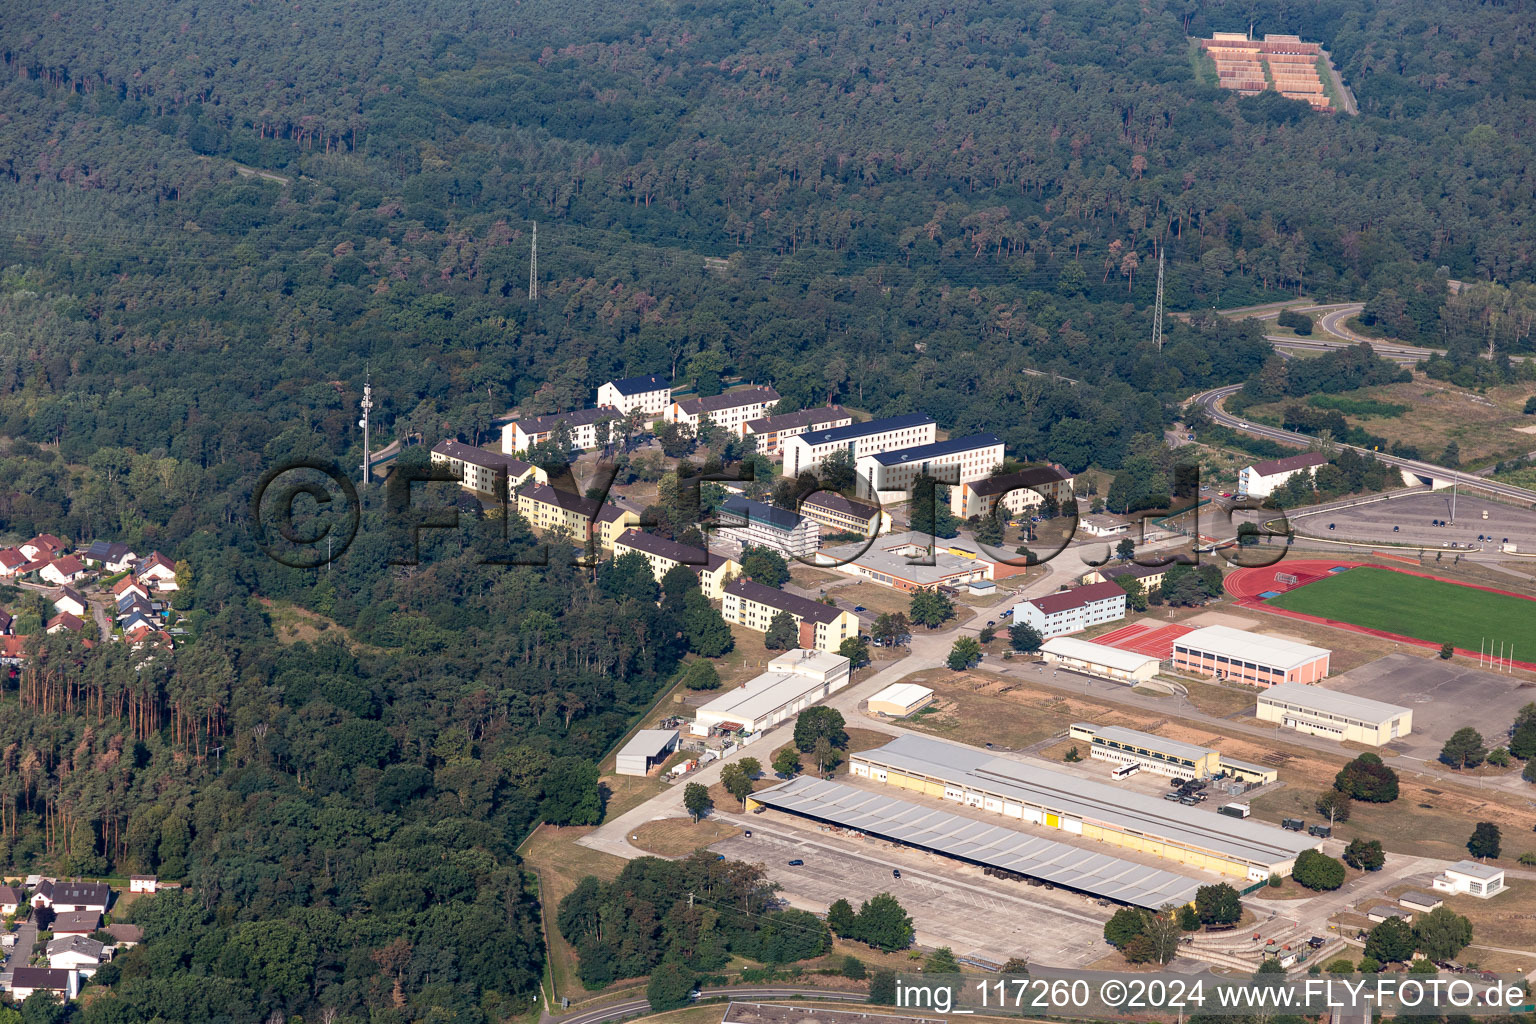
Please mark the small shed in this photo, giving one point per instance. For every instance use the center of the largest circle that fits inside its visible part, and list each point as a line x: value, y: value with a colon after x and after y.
x: 1418, y: 899
x: 648, y: 748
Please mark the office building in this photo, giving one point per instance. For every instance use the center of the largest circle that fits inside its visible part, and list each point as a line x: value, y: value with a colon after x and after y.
x: 651, y: 395
x: 836, y: 513
x: 757, y: 524
x: 1260, y: 479
x: 478, y: 469
x: 590, y: 428
x: 889, y: 475
x: 1018, y: 492
x: 663, y: 555
x: 731, y: 410
x: 770, y: 432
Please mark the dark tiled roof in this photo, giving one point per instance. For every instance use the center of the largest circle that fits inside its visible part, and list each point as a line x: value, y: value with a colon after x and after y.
x: 77, y: 921
x: 1033, y: 476
x: 728, y: 400
x: 857, y: 430
x: 803, y: 418
x: 1076, y: 598
x: 548, y: 495
x: 480, y: 457
x: 685, y: 554
x: 638, y: 385
x: 1290, y: 462
x: 1135, y: 572
x: 742, y: 511
x: 939, y: 449
x: 773, y: 597
x: 40, y: 977
x: 82, y: 892
x: 575, y: 418
x: 840, y: 503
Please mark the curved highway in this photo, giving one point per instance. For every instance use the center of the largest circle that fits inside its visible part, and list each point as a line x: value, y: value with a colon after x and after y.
x: 638, y: 1007
x: 1210, y: 401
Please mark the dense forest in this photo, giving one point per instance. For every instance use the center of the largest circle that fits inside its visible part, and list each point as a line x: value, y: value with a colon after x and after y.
x: 216, y: 219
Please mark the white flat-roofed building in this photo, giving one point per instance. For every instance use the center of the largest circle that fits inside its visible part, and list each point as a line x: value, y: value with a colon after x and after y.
x: 1017, y: 492
x: 889, y: 475
x: 1260, y: 479
x: 649, y: 394
x: 794, y: 681
x: 731, y: 410
x: 1099, y: 659
x: 900, y: 700
x: 758, y: 524
x: 1471, y: 878
x: 584, y: 425
x: 1246, y: 657
x: 477, y: 468
x: 899, y: 560
x: 771, y: 432
x: 645, y: 750
x: 1072, y: 611
x: 806, y: 451
x: 1338, y: 716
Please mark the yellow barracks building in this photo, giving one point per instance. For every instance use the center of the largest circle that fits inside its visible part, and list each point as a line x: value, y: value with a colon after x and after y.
x: 1239, y: 847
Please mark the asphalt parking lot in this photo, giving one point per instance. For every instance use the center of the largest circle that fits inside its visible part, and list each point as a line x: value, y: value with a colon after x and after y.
x: 1412, y: 514
x: 950, y: 903
x: 1444, y: 696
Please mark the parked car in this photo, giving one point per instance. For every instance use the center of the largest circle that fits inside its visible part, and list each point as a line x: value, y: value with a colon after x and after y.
x: 858, y: 608
x: 1330, y: 526
x: 1394, y: 529
x: 748, y: 833
x: 895, y: 872
x: 797, y: 863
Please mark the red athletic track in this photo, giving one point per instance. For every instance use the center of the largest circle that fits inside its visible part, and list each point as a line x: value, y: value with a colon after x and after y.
x: 1141, y: 638
x: 1247, y: 584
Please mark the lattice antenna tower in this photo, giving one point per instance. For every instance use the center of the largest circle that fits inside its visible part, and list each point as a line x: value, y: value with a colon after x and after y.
x: 1157, y: 313
x: 367, y: 407
x: 533, y: 266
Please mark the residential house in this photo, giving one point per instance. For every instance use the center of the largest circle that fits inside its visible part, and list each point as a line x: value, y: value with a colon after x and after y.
x: 7, y: 623
x: 131, y: 603
x: 63, y: 570
x: 11, y: 561
x: 808, y: 450
x: 74, y: 896
x: 771, y: 432
x: 731, y: 410
x: 129, y: 585
x: 42, y: 548
x: 135, y: 624
x: 889, y: 475
x: 11, y: 899
x: 65, y: 621
x: 157, y: 572
x: 757, y: 524
x: 110, y: 556
x: 663, y: 555
x: 551, y: 510
x: 42, y: 893
x: 478, y: 469
x: 583, y: 424
x: 651, y: 395
x: 26, y: 980
x: 143, y: 883
x: 1151, y: 576
x: 822, y: 627
x: 75, y: 922
x: 1018, y: 491
x: 12, y: 650
x: 76, y: 953
x: 124, y: 936
x: 72, y: 601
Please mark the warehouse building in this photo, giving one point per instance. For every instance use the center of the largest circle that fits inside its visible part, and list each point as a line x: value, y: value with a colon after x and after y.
x: 663, y: 555
x: 1017, y: 492
x: 1164, y: 756
x: 1072, y: 611
x: 1211, y: 842
x: 897, y: 561
x: 770, y: 432
x: 806, y: 451
x: 935, y: 830
x: 647, y: 749
x: 1099, y: 659
x: 478, y: 469
x: 756, y: 524
x: 794, y: 681
x: 889, y: 475
x: 1260, y: 479
x: 1247, y: 657
x: 841, y: 514
x: 900, y: 700
x: 1338, y: 716
x: 822, y: 627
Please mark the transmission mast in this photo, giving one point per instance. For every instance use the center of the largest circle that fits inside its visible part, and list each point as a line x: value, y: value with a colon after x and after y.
x: 533, y: 266
x: 1157, y: 314
x: 367, y: 406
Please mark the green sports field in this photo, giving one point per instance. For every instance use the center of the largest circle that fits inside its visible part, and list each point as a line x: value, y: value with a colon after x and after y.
x: 1417, y: 607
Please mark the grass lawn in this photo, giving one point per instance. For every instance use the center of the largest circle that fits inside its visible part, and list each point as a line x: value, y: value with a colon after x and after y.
x: 560, y: 863
x: 678, y: 837
x: 1417, y: 607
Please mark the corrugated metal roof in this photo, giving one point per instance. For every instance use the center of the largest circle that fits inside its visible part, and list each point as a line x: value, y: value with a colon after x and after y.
x: 998, y: 846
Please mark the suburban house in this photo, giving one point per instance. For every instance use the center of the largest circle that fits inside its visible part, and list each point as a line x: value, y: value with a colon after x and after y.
x: 7, y: 622
x: 651, y: 395
x: 662, y: 554
x: 128, y: 585
x: 143, y: 883
x: 1072, y: 611
x: 76, y: 922
x: 583, y: 424
x: 76, y: 953
x: 1260, y: 479
x: 731, y: 410
x: 761, y: 525
x: 42, y: 893
x: 157, y: 572
x: 770, y: 432
x: 806, y: 451
x: 110, y: 556
x: 43, y: 547
x: 889, y: 475
x: 822, y: 626
x: 63, y: 570
x: 75, y: 896
x: 13, y: 650
x: 65, y: 621
x: 27, y: 980
x: 478, y: 468
x: 1018, y: 491
x: 11, y: 561
x: 549, y: 509
x: 11, y: 899
x: 132, y: 601
x: 840, y: 514
x: 72, y: 601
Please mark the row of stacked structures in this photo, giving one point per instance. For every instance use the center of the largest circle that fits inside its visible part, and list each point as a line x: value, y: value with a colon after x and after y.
x: 1292, y: 66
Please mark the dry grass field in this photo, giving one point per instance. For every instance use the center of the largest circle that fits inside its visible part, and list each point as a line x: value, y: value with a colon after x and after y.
x: 679, y: 837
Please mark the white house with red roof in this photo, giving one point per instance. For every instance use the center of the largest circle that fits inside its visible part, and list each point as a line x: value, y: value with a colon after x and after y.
x: 11, y: 561
x: 129, y: 585
x: 157, y: 572
x: 65, y: 621
x: 43, y: 547
x: 63, y: 570
x: 72, y: 601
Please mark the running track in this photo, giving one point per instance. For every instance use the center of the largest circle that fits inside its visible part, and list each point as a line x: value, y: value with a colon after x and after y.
x: 1140, y: 638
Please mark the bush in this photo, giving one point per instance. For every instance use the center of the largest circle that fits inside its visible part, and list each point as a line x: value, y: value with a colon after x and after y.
x: 1275, y: 881
x: 853, y: 968
x: 1318, y: 871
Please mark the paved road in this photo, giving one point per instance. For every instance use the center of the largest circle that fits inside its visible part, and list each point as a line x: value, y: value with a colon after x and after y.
x: 1211, y: 401
x: 26, y: 938
x: 639, y: 1007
